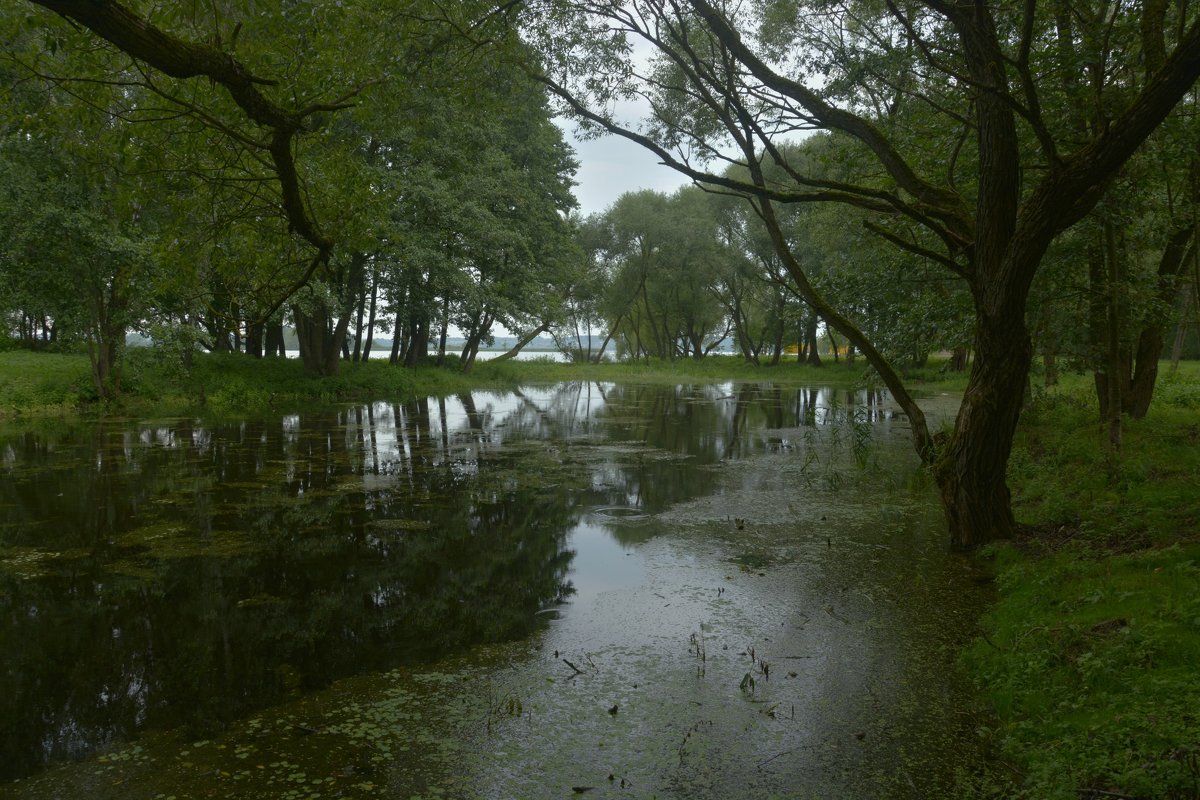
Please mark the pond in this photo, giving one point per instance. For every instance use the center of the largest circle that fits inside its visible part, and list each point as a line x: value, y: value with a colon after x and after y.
x: 608, y: 590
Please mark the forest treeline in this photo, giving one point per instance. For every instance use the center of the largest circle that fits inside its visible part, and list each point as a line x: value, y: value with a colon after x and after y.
x: 993, y: 182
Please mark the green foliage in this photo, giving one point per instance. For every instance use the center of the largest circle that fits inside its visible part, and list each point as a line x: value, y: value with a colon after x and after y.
x: 1179, y: 389
x: 44, y: 384
x: 1061, y: 474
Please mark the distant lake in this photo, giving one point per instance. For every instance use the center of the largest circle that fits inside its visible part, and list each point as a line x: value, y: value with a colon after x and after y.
x: 484, y: 355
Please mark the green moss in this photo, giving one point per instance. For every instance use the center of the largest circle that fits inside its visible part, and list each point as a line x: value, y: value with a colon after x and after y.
x: 31, y: 562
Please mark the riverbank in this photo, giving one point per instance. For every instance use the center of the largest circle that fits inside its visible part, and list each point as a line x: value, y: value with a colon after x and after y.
x: 1091, y: 656
x: 38, y: 385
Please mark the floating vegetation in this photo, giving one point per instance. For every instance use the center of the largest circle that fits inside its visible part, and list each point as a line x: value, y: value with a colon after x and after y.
x: 363, y: 632
x: 31, y: 562
x: 621, y: 512
x: 168, y: 540
x: 400, y: 524
x: 261, y: 601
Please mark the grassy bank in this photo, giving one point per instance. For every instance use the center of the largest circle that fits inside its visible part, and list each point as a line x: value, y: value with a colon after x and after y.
x: 48, y: 384
x: 1091, y: 657
x: 45, y: 384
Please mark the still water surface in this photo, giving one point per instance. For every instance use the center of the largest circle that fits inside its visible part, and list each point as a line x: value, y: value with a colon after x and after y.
x: 636, y: 591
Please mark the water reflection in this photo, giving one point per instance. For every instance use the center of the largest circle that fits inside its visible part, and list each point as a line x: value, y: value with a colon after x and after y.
x: 186, y: 572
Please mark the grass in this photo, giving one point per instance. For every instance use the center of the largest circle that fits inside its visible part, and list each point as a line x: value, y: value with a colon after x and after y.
x: 34, y: 385
x: 46, y: 385
x: 710, y: 369
x: 1091, y: 656
x: 41, y: 384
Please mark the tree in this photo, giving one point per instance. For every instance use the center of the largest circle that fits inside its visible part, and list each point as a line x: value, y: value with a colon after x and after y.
x: 982, y: 186
x: 667, y: 260
x: 310, y: 127
x: 75, y: 240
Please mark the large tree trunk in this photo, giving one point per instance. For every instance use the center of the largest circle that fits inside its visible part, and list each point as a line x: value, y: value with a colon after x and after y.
x: 417, y: 345
x: 254, y: 339
x: 1151, y: 339
x: 366, y: 352
x: 444, y: 333
x: 607, y: 338
x: 361, y: 310
x: 1181, y: 328
x: 275, y: 344
x: 970, y: 469
x: 810, y: 341
x: 397, y: 338
x: 321, y: 339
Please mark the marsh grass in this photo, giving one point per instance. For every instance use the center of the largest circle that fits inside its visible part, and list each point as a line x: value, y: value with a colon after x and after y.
x: 34, y: 385
x: 708, y: 370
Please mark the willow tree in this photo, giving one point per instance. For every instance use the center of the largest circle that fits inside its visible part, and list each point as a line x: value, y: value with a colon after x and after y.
x: 960, y: 109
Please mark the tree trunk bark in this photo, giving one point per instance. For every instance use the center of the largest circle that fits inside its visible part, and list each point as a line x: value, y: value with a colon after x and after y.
x: 970, y: 470
x: 523, y: 342
x: 1136, y: 402
x: 441, y: 357
x: 397, y: 338
x: 254, y: 339
x: 832, y: 343
x: 371, y: 320
x: 810, y: 341
x: 607, y: 338
x: 1117, y: 365
x: 361, y: 310
x: 321, y: 340
x: 417, y: 345
x: 1181, y: 328
x: 276, y: 346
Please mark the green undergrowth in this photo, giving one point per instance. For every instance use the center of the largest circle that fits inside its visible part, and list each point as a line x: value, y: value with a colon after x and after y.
x: 1091, y: 656
x: 39, y: 385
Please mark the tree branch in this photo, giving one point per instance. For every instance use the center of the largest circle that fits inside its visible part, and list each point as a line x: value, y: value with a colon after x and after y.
x: 943, y: 204
x: 916, y: 249
x: 179, y: 58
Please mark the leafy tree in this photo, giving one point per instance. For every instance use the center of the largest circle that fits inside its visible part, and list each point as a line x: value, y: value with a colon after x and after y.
x: 667, y: 259
x: 311, y: 129
x: 75, y: 242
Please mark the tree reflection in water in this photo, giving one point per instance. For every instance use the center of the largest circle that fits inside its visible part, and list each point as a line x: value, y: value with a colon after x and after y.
x: 188, y: 572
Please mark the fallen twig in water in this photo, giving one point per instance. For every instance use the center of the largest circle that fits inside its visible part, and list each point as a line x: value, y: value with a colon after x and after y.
x: 779, y: 755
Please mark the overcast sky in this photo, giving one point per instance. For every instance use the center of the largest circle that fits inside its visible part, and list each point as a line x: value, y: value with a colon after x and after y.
x: 611, y: 166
